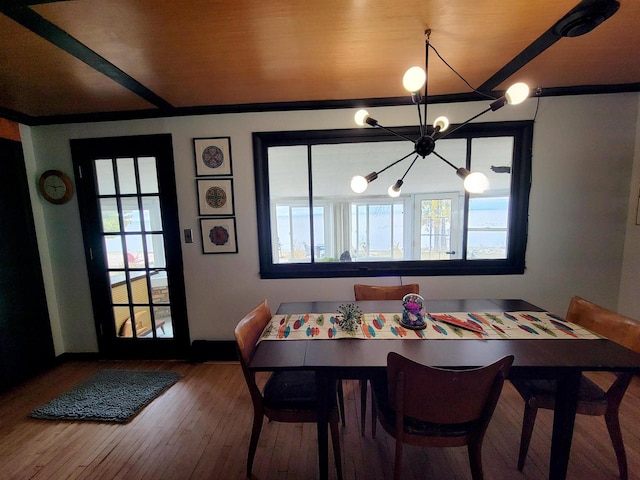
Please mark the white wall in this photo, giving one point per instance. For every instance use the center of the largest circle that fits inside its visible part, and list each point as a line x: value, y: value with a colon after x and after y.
x: 629, y: 302
x: 583, y: 153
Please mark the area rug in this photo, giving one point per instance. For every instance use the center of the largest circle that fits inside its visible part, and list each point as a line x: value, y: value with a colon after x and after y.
x: 109, y: 396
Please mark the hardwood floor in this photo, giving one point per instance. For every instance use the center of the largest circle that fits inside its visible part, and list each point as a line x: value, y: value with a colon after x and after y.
x: 199, y: 429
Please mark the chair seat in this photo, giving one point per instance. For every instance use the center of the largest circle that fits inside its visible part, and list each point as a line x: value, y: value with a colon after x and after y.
x: 414, y: 426
x: 542, y: 392
x: 291, y: 390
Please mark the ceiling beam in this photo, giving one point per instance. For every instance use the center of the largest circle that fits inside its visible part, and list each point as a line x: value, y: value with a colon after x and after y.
x: 47, y: 30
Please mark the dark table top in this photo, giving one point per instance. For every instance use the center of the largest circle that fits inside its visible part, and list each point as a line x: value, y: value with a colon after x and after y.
x: 535, y: 357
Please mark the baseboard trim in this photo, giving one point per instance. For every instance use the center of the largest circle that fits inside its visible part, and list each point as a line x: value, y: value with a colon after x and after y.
x: 213, y: 350
x: 200, y: 351
x: 78, y: 356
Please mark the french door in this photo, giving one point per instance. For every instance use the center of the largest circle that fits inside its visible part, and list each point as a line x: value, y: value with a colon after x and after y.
x: 128, y: 207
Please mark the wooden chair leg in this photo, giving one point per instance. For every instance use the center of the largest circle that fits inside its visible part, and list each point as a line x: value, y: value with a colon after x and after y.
x: 341, y: 403
x: 475, y: 460
x: 374, y: 415
x: 528, y: 421
x: 335, y: 441
x: 613, y: 425
x: 363, y: 405
x: 397, y: 464
x: 253, y: 443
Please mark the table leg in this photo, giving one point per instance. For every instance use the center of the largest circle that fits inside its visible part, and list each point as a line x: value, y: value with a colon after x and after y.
x: 563, y: 422
x: 323, y: 391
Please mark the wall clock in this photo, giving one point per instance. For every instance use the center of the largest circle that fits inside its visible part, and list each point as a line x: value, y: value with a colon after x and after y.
x: 55, y: 186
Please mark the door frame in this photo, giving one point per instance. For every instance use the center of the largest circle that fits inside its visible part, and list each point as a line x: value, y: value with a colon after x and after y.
x: 160, y: 146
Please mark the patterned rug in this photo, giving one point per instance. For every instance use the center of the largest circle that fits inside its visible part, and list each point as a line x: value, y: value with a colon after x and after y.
x: 109, y: 396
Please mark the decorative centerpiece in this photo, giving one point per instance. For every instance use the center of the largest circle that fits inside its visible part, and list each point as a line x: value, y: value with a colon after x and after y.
x: 413, y: 312
x: 349, y: 318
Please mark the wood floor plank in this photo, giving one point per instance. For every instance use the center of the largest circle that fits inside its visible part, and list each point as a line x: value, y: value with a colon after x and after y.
x: 200, y: 428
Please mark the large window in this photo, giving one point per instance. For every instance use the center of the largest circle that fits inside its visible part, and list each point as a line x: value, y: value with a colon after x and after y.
x: 311, y: 224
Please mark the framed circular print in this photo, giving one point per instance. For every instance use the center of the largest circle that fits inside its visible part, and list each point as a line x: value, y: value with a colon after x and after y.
x: 213, y: 156
x: 55, y: 187
x: 219, y: 235
x: 215, y: 197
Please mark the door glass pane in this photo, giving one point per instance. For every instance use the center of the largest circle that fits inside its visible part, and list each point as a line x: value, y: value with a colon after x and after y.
x: 164, y: 325
x: 110, y: 216
x: 155, y: 250
x: 435, y: 229
x: 131, y: 214
x: 488, y: 222
x: 121, y: 322
x: 139, y: 291
x: 113, y: 249
x: 135, y: 253
x: 148, y: 175
x: 318, y: 233
x: 126, y: 176
x: 398, y: 231
x: 104, y: 175
x: 380, y: 231
x: 152, y: 217
x: 144, y: 327
x: 159, y: 287
x: 119, y: 292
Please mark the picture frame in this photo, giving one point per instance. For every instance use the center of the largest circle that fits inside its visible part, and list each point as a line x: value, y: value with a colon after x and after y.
x: 213, y: 156
x: 218, y: 235
x: 215, y: 197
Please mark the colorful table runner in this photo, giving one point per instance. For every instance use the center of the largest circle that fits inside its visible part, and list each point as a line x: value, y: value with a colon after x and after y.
x: 440, y: 326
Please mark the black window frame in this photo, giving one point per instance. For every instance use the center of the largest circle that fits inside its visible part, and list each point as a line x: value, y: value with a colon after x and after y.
x: 522, y: 133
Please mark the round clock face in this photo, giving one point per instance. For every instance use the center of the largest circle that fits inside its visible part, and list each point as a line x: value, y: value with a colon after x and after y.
x: 55, y: 186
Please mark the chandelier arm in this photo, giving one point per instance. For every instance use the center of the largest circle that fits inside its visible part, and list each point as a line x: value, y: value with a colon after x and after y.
x: 396, y: 162
x: 405, y: 173
x: 427, y: 34
x: 449, y: 132
x: 423, y: 127
x: 395, y: 133
x: 445, y: 160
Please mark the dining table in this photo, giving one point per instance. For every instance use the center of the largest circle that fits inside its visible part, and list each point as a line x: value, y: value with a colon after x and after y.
x: 547, y: 354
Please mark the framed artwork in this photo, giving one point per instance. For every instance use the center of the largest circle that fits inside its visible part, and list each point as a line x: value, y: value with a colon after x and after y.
x: 219, y: 235
x: 213, y: 156
x: 215, y: 197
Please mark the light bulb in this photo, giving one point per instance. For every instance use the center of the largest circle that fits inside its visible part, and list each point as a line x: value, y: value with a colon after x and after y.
x: 359, y: 184
x: 517, y: 93
x: 394, y: 190
x: 361, y: 117
x: 442, y: 122
x: 414, y: 79
x: 476, y: 182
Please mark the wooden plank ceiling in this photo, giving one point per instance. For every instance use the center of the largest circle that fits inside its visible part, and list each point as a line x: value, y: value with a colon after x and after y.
x: 81, y: 58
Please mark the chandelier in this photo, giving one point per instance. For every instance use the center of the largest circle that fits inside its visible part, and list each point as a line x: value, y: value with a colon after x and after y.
x: 415, y: 78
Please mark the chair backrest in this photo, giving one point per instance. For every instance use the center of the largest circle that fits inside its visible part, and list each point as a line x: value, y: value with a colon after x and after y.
x: 444, y: 396
x: 249, y: 329
x: 247, y: 333
x: 614, y: 326
x: 375, y: 292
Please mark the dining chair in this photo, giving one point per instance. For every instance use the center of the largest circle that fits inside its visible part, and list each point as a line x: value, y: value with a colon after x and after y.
x: 592, y: 400
x: 287, y: 396
x: 427, y: 406
x: 376, y: 292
